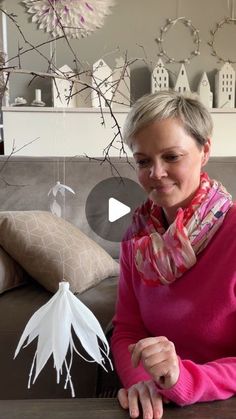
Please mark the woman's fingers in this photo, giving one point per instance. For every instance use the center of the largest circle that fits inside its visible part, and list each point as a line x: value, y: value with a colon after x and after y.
x: 147, y: 347
x: 159, y: 359
x: 144, y: 394
x: 156, y: 399
x: 145, y: 401
x: 123, y: 398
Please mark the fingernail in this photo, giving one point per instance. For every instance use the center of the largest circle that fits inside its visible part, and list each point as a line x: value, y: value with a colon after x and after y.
x: 133, y: 413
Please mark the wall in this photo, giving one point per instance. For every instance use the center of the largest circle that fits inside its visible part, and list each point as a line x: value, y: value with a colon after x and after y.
x: 132, y: 26
x: 79, y: 132
x: 133, y: 23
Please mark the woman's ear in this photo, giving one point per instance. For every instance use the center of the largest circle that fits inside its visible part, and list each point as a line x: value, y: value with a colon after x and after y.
x: 206, y: 152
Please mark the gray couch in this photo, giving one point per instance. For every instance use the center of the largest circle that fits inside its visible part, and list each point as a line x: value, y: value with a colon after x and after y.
x: 25, y: 182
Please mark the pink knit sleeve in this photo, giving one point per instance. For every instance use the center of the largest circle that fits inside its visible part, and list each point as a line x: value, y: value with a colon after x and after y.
x: 214, y: 380
x: 128, y: 324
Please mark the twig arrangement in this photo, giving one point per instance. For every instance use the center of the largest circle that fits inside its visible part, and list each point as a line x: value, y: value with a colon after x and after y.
x: 53, y: 73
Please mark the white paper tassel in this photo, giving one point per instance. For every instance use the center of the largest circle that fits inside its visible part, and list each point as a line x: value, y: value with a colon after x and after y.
x: 53, y: 324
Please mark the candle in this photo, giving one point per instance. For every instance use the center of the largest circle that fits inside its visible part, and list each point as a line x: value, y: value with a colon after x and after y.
x: 38, y: 95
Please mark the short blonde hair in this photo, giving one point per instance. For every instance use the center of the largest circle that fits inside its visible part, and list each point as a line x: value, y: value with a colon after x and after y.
x: 194, y: 116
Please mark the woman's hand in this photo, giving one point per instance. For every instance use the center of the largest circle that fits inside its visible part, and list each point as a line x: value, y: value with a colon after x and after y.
x: 146, y: 394
x: 159, y: 359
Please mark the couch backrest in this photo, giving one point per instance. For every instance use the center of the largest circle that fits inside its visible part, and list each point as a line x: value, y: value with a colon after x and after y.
x: 26, y: 181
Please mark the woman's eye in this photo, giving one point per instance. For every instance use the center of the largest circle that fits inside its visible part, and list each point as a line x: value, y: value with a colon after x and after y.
x: 171, y: 157
x: 142, y: 162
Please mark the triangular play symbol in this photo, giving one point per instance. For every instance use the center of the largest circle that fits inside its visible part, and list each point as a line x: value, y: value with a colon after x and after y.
x: 116, y: 209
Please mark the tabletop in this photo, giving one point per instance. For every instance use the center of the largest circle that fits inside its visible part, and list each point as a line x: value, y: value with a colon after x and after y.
x: 99, y: 408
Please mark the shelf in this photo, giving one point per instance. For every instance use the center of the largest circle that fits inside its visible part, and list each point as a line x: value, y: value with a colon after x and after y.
x: 79, y: 131
x: 89, y: 110
x: 60, y: 110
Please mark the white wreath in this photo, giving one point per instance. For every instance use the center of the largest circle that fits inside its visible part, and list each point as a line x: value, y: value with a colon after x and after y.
x: 194, y: 32
x: 73, y: 18
x: 212, y: 42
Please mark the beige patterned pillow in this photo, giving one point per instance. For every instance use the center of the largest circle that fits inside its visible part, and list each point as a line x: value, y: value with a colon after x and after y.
x: 50, y: 249
x: 11, y: 274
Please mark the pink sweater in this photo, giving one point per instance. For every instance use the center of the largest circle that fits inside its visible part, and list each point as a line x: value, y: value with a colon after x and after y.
x: 197, y: 313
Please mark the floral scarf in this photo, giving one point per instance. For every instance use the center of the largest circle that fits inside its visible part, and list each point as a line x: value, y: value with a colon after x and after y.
x: 162, y: 256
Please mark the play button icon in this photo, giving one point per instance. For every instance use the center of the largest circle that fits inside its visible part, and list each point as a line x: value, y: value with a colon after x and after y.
x: 117, y: 210
x: 110, y: 206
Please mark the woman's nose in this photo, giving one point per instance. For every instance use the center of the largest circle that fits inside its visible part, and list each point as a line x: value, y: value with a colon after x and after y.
x: 157, y: 171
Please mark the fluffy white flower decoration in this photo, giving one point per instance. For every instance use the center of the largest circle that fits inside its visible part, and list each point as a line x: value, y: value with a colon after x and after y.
x: 75, y: 18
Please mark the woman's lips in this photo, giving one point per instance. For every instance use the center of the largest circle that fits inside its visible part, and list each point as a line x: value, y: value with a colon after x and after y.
x: 163, y: 188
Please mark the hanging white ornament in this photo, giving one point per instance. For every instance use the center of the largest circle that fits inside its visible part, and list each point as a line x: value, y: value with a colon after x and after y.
x: 75, y: 19
x: 55, y: 208
x: 52, y: 324
x: 59, y: 187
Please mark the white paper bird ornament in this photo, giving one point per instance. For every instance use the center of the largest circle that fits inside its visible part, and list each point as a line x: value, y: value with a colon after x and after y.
x: 53, y: 324
x: 58, y: 188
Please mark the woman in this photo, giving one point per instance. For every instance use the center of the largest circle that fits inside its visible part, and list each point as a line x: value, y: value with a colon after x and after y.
x: 175, y: 321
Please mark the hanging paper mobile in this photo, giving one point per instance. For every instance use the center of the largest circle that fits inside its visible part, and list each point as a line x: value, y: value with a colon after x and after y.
x: 73, y: 18
x: 59, y: 187
x: 55, y: 207
x: 53, y: 324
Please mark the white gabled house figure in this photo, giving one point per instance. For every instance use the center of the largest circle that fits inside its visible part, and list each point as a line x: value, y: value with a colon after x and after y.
x: 102, y: 80
x: 121, y: 85
x: 83, y: 92
x: 225, y: 87
x: 159, y: 78
x: 204, y: 91
x: 182, y: 84
x: 64, y: 90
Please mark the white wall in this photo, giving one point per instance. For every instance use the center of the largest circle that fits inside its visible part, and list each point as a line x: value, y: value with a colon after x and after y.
x: 132, y: 26
x: 77, y: 132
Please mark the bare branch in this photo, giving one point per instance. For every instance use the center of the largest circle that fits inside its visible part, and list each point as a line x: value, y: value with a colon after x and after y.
x: 14, y: 151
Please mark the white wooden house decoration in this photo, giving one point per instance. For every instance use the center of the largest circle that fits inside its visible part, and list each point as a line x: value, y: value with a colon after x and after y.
x: 204, y: 91
x: 64, y: 90
x: 121, y: 84
x: 102, y: 79
x: 182, y: 84
x: 83, y: 96
x: 159, y: 78
x: 225, y: 87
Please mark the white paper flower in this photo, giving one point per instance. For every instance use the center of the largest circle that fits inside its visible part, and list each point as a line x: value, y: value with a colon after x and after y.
x: 78, y: 18
x: 52, y: 324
